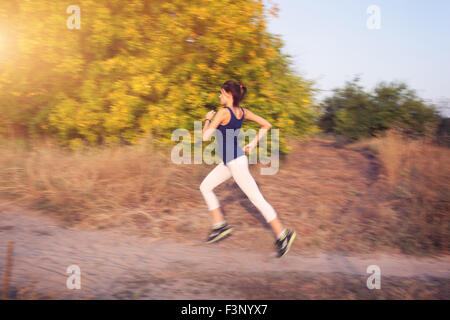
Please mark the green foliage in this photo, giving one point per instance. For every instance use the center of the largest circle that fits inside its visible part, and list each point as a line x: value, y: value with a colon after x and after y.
x: 354, y: 113
x: 142, y: 68
x: 443, y: 132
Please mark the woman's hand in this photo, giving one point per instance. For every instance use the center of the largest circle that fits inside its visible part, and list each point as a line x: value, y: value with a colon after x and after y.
x: 210, y: 114
x: 249, y: 147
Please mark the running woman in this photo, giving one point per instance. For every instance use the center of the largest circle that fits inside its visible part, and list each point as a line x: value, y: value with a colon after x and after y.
x: 226, y: 124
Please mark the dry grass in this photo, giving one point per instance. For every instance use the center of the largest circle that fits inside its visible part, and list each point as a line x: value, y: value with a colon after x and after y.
x: 388, y: 193
x: 310, y: 285
x: 8, y: 270
x: 281, y: 286
x: 416, y: 175
x: 102, y: 187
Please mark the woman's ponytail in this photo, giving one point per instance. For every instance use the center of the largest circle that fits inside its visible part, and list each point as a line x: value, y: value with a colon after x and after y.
x: 238, y: 91
x: 244, y: 91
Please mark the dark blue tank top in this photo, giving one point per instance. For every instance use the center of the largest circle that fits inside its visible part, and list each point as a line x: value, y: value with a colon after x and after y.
x: 228, y: 139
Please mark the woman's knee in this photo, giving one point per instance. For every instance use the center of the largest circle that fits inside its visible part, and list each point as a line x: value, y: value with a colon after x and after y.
x: 204, y: 188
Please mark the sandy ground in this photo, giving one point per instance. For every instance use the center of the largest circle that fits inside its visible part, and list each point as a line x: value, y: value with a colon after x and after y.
x: 115, y: 265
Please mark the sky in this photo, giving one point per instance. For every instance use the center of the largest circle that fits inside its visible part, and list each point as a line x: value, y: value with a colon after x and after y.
x: 330, y: 43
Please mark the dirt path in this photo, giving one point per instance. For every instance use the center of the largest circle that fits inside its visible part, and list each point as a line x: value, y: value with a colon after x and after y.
x: 118, y: 266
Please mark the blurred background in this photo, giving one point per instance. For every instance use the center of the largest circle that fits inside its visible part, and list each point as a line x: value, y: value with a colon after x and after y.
x: 90, y: 96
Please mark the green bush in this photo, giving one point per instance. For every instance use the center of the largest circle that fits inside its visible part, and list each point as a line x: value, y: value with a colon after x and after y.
x: 355, y: 113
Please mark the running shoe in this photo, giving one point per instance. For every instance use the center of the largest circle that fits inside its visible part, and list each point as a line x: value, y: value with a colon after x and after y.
x: 284, y: 244
x: 219, y: 233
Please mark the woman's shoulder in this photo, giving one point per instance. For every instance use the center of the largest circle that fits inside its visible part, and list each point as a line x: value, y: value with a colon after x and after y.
x: 246, y: 111
x: 222, y: 114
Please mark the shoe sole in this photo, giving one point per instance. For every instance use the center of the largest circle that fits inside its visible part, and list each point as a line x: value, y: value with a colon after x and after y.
x: 221, y: 236
x: 289, y: 244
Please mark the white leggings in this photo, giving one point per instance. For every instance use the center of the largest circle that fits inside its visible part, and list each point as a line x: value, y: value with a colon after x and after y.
x: 238, y: 169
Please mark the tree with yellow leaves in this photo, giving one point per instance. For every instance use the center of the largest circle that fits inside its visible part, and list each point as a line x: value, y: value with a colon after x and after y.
x: 142, y: 67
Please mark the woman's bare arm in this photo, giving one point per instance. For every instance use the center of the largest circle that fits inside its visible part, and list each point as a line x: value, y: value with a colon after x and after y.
x: 211, y: 126
x: 265, y: 127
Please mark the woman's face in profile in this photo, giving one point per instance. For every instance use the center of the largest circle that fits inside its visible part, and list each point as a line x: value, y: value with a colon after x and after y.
x: 224, y: 97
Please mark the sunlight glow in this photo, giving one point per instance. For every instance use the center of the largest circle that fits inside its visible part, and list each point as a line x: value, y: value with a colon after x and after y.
x: 2, y: 45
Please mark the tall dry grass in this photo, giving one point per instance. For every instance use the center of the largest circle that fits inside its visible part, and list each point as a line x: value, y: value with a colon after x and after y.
x: 417, y: 183
x: 103, y: 187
